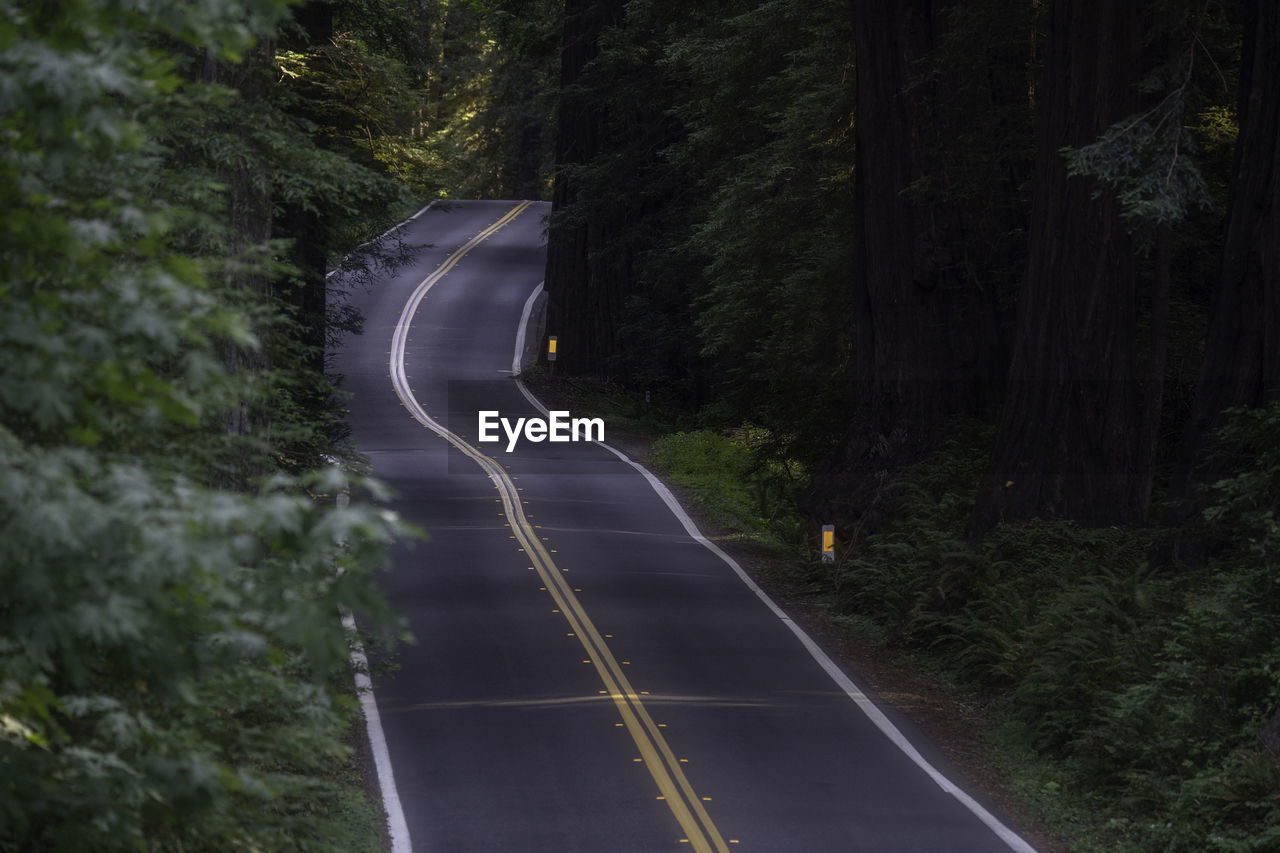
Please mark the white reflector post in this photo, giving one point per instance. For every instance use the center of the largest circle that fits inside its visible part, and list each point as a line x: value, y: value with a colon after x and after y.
x: 828, y: 543
x: 551, y: 348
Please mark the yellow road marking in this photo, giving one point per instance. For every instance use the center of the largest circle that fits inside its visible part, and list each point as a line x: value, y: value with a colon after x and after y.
x: 656, y: 754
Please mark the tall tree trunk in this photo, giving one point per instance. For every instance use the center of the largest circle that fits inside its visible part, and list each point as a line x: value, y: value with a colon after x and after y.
x: 927, y: 334
x: 308, y: 231
x: 1071, y: 430
x: 1242, y: 346
x: 1157, y: 360
x: 583, y: 300
x: 249, y: 211
x: 305, y: 226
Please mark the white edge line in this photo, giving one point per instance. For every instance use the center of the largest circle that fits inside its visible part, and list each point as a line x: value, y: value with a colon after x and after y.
x: 397, y: 828
x: 873, y: 713
x: 517, y: 360
x: 395, y: 227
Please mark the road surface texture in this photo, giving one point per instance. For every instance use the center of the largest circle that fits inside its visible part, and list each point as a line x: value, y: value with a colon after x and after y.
x: 588, y: 676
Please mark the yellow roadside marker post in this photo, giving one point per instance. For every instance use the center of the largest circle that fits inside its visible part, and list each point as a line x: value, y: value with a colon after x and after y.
x: 551, y: 353
x: 828, y: 543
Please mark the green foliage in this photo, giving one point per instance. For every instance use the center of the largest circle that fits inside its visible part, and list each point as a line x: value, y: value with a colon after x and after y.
x: 506, y: 140
x: 1142, y: 692
x: 166, y: 652
x: 886, y: 575
x: 736, y: 487
x: 1217, y: 679
x: 1149, y: 160
x: 723, y: 186
x: 770, y: 238
x: 459, y: 94
x: 1246, y: 502
x: 364, y: 105
x: 1152, y: 160
x: 171, y: 659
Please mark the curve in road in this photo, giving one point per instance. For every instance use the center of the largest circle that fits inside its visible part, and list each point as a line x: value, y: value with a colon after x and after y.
x: 561, y: 578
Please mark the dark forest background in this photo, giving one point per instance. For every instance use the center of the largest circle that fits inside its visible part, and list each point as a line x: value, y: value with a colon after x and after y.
x: 998, y: 279
x: 988, y: 284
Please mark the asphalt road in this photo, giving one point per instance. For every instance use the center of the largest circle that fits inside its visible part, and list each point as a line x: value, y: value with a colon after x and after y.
x: 587, y: 676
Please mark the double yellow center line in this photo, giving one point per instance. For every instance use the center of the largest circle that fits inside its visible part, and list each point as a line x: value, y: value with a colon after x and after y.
x: 655, y: 752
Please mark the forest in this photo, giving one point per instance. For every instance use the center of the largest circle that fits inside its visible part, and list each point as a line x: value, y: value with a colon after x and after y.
x: 990, y: 285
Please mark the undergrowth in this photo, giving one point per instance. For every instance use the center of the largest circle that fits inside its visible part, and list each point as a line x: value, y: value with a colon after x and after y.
x: 736, y: 487
x: 1132, y: 696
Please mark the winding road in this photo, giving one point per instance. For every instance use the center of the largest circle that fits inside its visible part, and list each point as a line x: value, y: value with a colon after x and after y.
x: 589, y: 674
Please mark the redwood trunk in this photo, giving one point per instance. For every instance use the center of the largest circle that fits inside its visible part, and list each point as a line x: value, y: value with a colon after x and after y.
x: 1242, y: 346
x: 1069, y: 442
x: 583, y: 300
x: 927, y: 335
